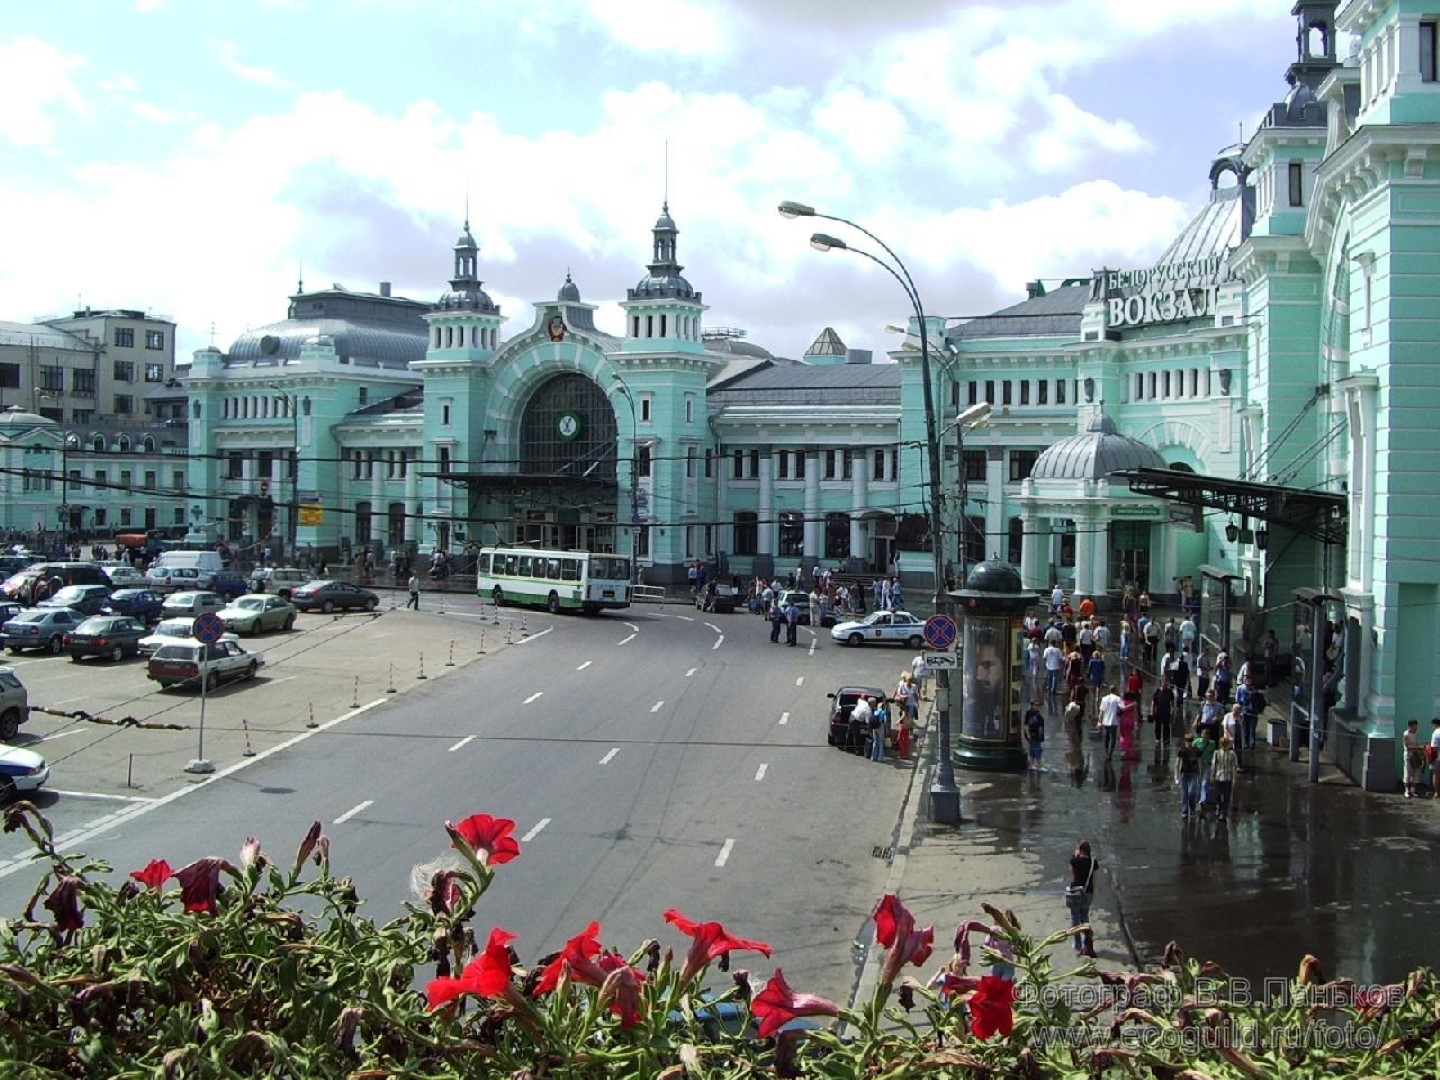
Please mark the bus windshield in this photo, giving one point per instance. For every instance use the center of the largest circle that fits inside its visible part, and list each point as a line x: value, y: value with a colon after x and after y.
x: 609, y: 568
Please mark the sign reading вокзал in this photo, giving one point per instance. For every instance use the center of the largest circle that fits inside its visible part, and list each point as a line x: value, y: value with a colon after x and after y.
x: 1170, y: 292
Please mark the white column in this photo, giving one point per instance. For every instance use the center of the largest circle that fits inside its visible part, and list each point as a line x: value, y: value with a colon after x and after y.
x: 1100, y: 568
x: 376, y: 503
x: 412, y: 492
x: 724, y: 531
x: 857, y: 507
x: 813, y: 526
x: 769, y: 526
x: 994, y: 505
x: 1030, y: 548
x: 1084, y: 552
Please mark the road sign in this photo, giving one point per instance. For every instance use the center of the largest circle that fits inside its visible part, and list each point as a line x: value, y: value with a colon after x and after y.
x: 941, y: 631
x: 312, y: 515
x: 208, y: 628
x: 935, y: 661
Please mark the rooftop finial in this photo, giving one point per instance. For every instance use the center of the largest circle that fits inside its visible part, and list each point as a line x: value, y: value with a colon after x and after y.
x: 665, y: 199
x: 300, y: 276
x: 467, y: 207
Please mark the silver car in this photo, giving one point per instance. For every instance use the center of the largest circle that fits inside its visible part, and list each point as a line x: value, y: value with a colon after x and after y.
x: 39, y: 628
x: 192, y: 603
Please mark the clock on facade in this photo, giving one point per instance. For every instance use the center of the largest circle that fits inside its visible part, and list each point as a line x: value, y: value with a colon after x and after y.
x: 569, y: 426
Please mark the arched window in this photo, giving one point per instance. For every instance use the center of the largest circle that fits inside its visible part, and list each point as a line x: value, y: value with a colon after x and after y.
x: 148, y: 444
x: 97, y: 443
x: 122, y: 443
x: 569, y: 429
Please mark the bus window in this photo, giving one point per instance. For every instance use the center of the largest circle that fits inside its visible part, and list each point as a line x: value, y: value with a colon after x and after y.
x: 482, y: 564
x: 525, y: 561
x: 569, y: 569
x: 511, y: 561
x: 552, y: 569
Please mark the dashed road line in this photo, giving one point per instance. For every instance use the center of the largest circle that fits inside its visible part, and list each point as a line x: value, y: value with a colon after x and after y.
x: 760, y: 773
x: 100, y: 795
x: 718, y: 642
x: 656, y: 707
x: 632, y: 626
x: 463, y: 742
x: 535, y: 831
x: 800, y: 681
x: 724, y: 856
x: 691, y: 672
x: 784, y: 718
x: 610, y: 756
x: 62, y: 734
x: 586, y: 664
x: 627, y: 640
x: 813, y: 642
x: 348, y: 814
x: 534, y: 697
x: 712, y: 626
x: 684, y: 618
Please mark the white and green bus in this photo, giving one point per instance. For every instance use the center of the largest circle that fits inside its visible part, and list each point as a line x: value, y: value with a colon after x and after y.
x: 554, y: 580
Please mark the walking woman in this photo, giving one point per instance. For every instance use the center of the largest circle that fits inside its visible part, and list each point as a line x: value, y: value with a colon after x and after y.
x: 1078, y: 895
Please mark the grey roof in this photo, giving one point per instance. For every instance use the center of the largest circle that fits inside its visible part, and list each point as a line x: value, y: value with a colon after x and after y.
x: 1213, y: 231
x: 1096, y: 454
x: 569, y: 292
x: 1055, y: 314
x: 407, y: 401
x: 366, y: 330
x: 813, y: 384
x: 16, y: 419
x: 42, y: 337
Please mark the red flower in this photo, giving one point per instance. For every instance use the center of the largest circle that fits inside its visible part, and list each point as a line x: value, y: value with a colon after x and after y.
x: 991, y: 1007
x: 199, y: 883
x: 710, y: 941
x: 488, y: 975
x: 64, y: 903
x: 155, y: 874
x: 895, y: 930
x: 579, y: 957
x: 776, y: 1005
x: 481, y: 832
x: 621, y: 991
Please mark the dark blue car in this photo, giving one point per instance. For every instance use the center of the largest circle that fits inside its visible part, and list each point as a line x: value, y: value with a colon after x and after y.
x: 142, y: 604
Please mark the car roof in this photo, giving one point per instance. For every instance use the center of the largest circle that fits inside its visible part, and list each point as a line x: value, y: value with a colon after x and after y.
x: 868, y: 691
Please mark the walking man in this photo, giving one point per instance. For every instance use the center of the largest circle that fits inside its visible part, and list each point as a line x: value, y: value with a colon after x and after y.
x: 413, y: 585
x: 1110, y: 706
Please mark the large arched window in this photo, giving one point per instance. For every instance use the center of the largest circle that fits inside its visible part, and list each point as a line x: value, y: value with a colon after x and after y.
x: 569, y: 428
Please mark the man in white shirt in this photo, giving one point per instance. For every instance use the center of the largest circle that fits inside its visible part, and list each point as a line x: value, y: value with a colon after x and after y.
x: 1057, y: 597
x: 860, y: 717
x: 1054, y: 658
x: 1110, y: 706
x: 920, y: 672
x: 1187, y: 635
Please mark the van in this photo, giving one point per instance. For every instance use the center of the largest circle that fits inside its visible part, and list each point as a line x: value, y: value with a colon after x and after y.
x: 21, y: 586
x: 208, y: 562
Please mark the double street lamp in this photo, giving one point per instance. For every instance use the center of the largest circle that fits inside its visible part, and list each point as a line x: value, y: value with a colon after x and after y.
x: 635, y: 526
x: 944, y: 793
x: 291, y: 531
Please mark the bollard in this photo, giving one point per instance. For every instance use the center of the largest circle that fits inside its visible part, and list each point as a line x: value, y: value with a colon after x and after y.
x: 355, y: 698
x: 451, y: 662
x: 494, y: 612
x: 311, y: 722
x: 442, y: 601
x: 390, y: 686
x: 422, y: 667
x: 524, y: 626
x: 508, y: 640
x: 248, y: 751
x: 130, y: 773
x: 392, y: 599
x: 481, y: 650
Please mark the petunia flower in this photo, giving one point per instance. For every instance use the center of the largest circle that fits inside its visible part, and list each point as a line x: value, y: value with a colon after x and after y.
x: 709, y: 940
x: 155, y: 874
x: 488, y: 975
x: 578, y: 957
x: 200, y: 882
x: 962, y: 937
x: 895, y: 930
x: 307, y: 847
x: 64, y: 903
x: 621, y: 992
x: 483, y: 833
x: 991, y: 1007
x: 251, y: 856
x: 776, y: 1005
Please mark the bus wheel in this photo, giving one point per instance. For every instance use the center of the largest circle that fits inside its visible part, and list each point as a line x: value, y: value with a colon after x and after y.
x: 497, y: 596
x: 553, y: 604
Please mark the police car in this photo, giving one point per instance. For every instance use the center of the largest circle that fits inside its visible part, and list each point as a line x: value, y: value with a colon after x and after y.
x: 882, y: 628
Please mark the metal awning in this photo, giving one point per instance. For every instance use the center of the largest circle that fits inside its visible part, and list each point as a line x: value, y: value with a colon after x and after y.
x: 1318, y: 514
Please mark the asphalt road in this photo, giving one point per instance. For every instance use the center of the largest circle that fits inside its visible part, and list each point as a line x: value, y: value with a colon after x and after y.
x: 651, y: 759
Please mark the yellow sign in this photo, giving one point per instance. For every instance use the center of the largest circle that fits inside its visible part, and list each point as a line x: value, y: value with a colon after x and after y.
x: 312, y: 515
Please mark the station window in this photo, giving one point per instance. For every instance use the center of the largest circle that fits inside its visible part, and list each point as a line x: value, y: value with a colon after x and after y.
x: 1297, y: 183
x: 1428, y: 52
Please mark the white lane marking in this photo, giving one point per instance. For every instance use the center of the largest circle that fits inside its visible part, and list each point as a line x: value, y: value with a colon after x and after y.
x: 535, y: 831
x: 62, y: 734
x: 632, y: 626
x: 99, y: 795
x: 348, y: 814
x: 685, y: 618
x: 724, y: 856
x: 691, y: 672
x: 760, y: 773
x: 626, y: 640
x: 534, y: 697
x: 784, y: 718
x: 813, y: 642
x: 656, y: 706
x: 64, y: 701
x: 712, y: 626
x: 800, y: 681
x: 463, y: 742
x: 535, y: 636
x: 127, y: 814
x: 610, y: 756
x: 277, y: 682
x: 586, y: 664
x: 718, y: 642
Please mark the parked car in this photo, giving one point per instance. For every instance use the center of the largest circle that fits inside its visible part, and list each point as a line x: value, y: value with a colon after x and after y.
x: 229, y: 584
x: 42, y: 579
x: 722, y: 600
x: 143, y: 604
x: 21, y: 771
x: 13, y: 564
x: 176, y: 577
x: 882, y: 628
x: 193, y: 603
x: 188, y: 663
x: 39, y: 628
x: 842, y: 704
x: 256, y: 612
x: 330, y: 595
x: 9, y: 609
x: 14, y: 704
x: 115, y: 636
x: 123, y: 575
x: 280, y: 580
x: 83, y: 599
x: 176, y: 631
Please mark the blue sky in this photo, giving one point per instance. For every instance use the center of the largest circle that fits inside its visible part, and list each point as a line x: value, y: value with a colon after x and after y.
x: 188, y: 156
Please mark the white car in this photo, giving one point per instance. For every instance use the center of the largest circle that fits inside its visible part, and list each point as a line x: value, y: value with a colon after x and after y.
x: 21, y: 771
x: 192, y: 603
x: 882, y: 628
x: 124, y: 576
x: 174, y: 631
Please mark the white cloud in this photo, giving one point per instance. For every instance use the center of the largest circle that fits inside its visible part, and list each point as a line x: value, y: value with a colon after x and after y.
x: 679, y: 27
x: 870, y: 129
x: 1072, y: 132
x: 119, y: 83
x: 225, y: 52
x: 35, y: 75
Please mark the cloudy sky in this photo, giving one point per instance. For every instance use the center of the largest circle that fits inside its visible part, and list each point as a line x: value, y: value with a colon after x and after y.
x: 188, y: 157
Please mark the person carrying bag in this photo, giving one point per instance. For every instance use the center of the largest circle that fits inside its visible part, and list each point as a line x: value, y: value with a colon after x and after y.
x: 1078, y: 895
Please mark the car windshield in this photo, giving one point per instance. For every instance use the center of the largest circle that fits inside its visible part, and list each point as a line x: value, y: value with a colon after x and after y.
x: 174, y: 628
x: 31, y: 616
x: 249, y: 603
x: 95, y: 626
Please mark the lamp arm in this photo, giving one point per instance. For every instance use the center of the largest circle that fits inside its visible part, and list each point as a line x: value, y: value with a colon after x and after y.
x: 908, y: 283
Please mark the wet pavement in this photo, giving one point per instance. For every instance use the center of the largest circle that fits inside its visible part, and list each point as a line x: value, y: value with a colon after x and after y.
x: 1327, y: 869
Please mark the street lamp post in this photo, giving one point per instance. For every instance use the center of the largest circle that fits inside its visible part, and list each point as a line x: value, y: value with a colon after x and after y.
x: 624, y: 389
x: 291, y: 531
x: 944, y: 793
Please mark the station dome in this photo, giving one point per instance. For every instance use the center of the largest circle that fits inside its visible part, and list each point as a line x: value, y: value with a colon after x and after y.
x: 1094, y: 455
